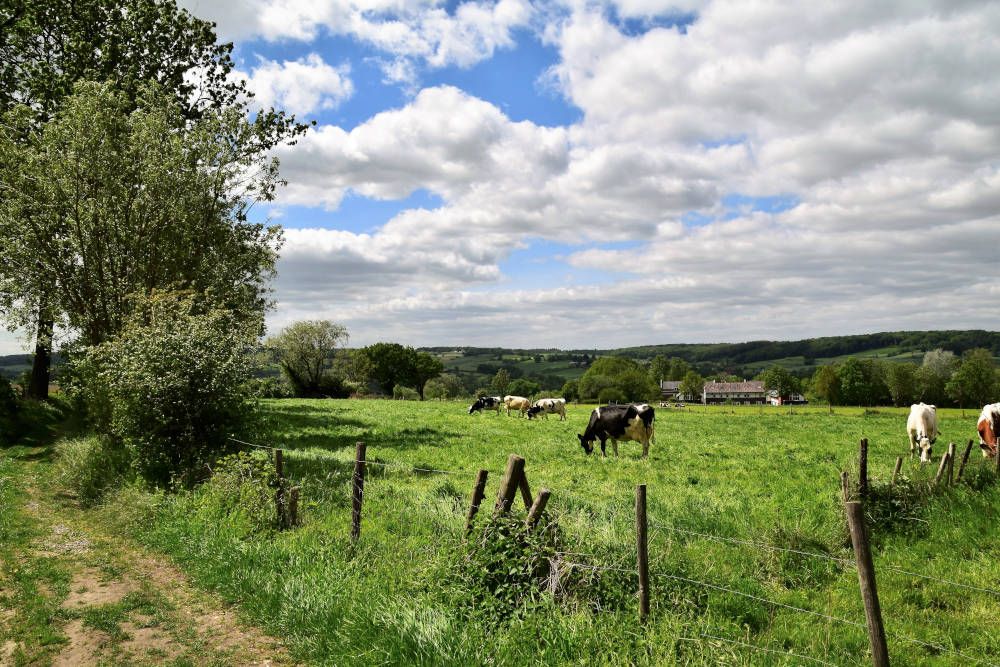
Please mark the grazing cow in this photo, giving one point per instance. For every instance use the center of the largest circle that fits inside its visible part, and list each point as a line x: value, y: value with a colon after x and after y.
x: 518, y: 403
x: 922, y: 428
x: 486, y: 403
x: 549, y: 406
x: 989, y: 428
x: 619, y: 422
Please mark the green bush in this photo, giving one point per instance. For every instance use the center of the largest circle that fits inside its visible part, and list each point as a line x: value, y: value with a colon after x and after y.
x: 401, y: 393
x: 172, y: 387
x: 611, y: 395
x: 10, y: 422
x: 270, y: 387
x: 91, y: 466
x: 240, y: 494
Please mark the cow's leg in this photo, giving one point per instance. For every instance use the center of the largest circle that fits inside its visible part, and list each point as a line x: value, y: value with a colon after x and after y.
x: 603, y: 452
x: 913, y: 442
x: 614, y: 445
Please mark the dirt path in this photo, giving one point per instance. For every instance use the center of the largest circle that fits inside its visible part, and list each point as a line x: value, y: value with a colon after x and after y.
x: 72, y: 593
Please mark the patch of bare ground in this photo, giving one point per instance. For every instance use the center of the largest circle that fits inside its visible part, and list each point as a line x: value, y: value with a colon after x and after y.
x: 127, y: 605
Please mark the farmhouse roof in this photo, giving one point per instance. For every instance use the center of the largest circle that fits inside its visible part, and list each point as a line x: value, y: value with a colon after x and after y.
x: 745, y: 387
x: 670, y: 384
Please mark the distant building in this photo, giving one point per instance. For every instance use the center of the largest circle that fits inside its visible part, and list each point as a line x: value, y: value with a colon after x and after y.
x: 747, y: 392
x: 793, y: 399
x: 669, y: 389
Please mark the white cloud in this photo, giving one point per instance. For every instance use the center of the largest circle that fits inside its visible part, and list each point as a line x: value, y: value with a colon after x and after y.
x: 877, y: 118
x: 301, y: 86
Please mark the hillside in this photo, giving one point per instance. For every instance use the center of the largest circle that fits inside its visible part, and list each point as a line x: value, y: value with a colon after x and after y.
x: 551, y: 367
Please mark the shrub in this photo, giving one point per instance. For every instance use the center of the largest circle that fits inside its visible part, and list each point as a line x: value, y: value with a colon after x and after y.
x: 240, y: 494
x: 91, y: 466
x: 270, y: 387
x: 172, y: 386
x: 401, y: 393
x: 611, y: 395
x: 10, y: 421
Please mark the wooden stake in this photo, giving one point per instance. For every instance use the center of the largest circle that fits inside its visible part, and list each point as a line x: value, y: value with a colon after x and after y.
x: 522, y: 484
x: 941, y: 468
x: 845, y: 485
x: 509, y: 484
x: 895, y: 471
x: 358, y: 493
x: 478, y: 493
x: 642, y: 551
x: 537, y: 508
x: 965, y: 459
x: 951, y: 463
x: 279, y: 492
x: 863, y: 468
x: 866, y: 582
x: 293, y: 506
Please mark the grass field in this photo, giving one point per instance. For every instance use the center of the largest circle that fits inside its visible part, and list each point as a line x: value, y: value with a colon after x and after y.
x: 767, y: 476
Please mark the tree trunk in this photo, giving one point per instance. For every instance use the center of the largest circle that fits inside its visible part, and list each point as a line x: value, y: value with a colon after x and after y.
x: 38, y: 388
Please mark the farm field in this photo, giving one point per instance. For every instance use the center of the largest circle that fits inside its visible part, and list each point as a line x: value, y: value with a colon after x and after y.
x: 410, y: 591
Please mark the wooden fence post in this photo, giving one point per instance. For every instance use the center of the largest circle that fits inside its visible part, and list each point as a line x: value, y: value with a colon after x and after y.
x: 522, y: 484
x: 866, y: 581
x: 357, y: 496
x: 845, y: 485
x: 642, y: 553
x: 895, y: 471
x: 293, y: 506
x: 965, y: 459
x: 537, y: 508
x: 951, y: 463
x: 510, y: 483
x: 279, y: 492
x: 941, y: 468
x: 863, y: 468
x: 478, y: 493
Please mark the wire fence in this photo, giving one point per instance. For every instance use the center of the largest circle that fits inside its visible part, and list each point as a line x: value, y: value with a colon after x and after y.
x: 731, y: 541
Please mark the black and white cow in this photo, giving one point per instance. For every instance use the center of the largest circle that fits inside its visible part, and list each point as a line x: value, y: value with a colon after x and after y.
x: 486, y: 403
x: 549, y: 406
x: 619, y: 422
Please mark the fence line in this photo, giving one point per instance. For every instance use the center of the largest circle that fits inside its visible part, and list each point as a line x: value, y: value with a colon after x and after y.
x: 759, y: 648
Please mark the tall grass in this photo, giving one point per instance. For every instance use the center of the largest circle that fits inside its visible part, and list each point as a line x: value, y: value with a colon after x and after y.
x: 402, y: 594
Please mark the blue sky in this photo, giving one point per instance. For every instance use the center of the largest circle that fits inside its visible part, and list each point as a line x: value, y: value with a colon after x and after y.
x: 623, y: 172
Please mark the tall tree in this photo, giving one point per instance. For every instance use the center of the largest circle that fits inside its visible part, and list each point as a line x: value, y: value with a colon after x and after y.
x: 975, y: 381
x: 392, y: 364
x: 501, y: 381
x: 306, y: 351
x: 692, y: 385
x: 47, y: 47
x: 901, y: 379
x: 934, y: 373
x: 779, y: 379
x: 826, y: 384
x: 106, y: 202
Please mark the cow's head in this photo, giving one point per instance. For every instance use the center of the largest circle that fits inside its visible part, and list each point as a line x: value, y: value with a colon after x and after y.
x: 478, y: 405
x: 587, y: 444
x: 987, y: 436
x: 924, y: 443
x: 533, y: 410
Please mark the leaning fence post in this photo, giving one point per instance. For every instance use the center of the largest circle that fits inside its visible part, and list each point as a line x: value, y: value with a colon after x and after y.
x: 863, y: 468
x: 293, y: 506
x: 358, y: 491
x: 951, y: 463
x: 537, y: 508
x: 279, y: 492
x: 478, y: 493
x: 866, y: 581
x: 510, y: 483
x: 965, y: 459
x: 941, y: 468
x: 895, y: 471
x: 522, y: 484
x: 642, y: 553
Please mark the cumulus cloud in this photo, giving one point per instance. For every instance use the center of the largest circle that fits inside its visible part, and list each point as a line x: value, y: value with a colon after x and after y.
x: 300, y: 86
x: 875, y: 121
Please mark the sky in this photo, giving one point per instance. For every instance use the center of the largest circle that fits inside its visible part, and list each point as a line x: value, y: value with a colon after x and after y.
x: 610, y: 173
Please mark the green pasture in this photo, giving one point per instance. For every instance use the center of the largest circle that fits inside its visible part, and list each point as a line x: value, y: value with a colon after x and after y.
x: 767, y: 476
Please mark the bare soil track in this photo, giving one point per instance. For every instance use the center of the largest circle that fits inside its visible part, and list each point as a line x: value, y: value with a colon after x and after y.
x: 74, y: 593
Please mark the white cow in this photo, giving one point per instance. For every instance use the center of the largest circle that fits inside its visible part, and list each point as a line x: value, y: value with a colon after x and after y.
x: 922, y: 429
x: 549, y: 406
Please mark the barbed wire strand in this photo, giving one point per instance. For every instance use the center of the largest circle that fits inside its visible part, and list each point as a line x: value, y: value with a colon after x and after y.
x: 863, y: 626
x: 758, y: 648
